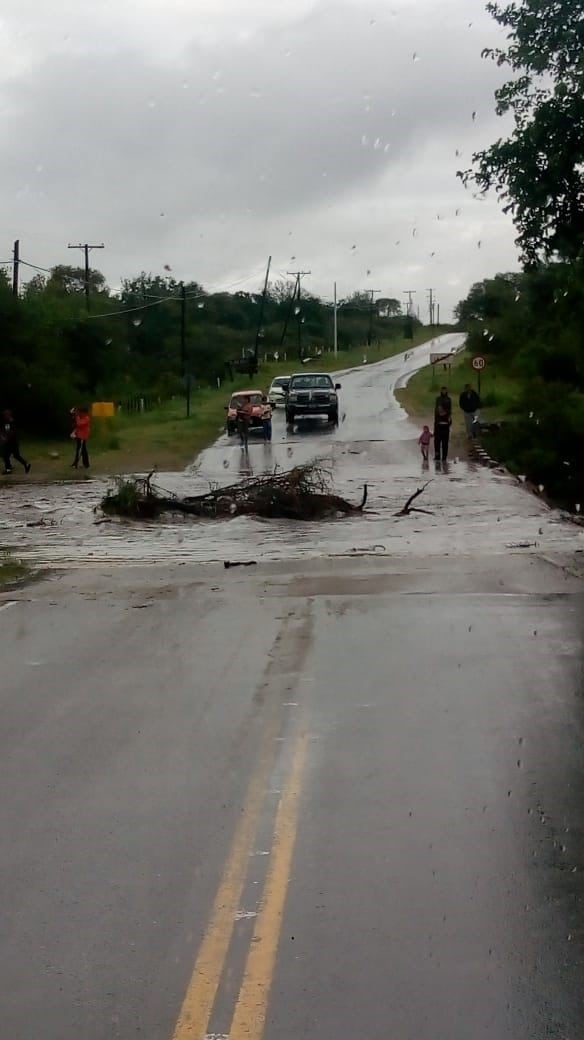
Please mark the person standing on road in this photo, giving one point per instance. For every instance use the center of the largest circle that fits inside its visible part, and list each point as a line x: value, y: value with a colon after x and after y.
x: 444, y: 401
x: 267, y: 419
x: 80, y: 434
x: 470, y: 403
x: 442, y: 424
x: 244, y: 414
x: 10, y: 444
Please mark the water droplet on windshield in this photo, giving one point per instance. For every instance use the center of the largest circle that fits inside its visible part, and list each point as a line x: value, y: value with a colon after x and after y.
x: 137, y: 322
x: 415, y: 57
x: 364, y: 141
x: 201, y: 306
x: 151, y: 103
x: 297, y: 310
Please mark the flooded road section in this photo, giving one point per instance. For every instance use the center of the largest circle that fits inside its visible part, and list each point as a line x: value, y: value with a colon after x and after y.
x: 473, y: 508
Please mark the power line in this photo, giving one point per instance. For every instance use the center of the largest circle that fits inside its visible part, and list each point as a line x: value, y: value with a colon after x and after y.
x: 132, y: 310
x: 35, y: 267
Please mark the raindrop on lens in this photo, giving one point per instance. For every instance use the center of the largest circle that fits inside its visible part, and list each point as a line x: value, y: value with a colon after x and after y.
x: 137, y: 322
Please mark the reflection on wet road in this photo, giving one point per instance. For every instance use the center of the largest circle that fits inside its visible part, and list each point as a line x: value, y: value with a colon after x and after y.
x: 375, y: 444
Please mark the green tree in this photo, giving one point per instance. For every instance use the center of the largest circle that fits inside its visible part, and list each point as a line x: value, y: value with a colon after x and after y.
x: 538, y: 171
x: 66, y: 281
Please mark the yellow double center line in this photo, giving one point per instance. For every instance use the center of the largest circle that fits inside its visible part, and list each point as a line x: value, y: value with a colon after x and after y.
x: 251, y: 1007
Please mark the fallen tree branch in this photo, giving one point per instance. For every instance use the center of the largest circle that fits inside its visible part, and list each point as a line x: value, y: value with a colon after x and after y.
x: 302, y: 493
x: 408, y: 508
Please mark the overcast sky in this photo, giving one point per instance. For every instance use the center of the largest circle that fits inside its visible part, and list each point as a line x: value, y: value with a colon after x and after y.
x: 207, y: 134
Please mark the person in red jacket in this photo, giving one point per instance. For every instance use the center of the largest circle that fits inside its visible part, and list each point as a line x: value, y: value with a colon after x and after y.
x: 81, y: 431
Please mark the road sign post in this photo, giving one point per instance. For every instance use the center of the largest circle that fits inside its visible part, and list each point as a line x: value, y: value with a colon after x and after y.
x: 479, y: 363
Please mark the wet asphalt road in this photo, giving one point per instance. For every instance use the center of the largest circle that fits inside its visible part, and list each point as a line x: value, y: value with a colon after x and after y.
x: 321, y: 797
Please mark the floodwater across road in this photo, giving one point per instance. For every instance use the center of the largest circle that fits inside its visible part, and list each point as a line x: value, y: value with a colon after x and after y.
x: 337, y: 794
x: 473, y: 508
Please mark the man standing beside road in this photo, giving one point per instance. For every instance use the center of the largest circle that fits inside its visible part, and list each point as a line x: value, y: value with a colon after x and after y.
x: 9, y: 442
x: 470, y: 403
x: 442, y: 424
x: 443, y: 401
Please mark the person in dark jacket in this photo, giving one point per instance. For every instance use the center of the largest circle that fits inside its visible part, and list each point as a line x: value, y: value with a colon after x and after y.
x: 442, y: 424
x: 470, y: 403
x: 10, y: 444
x: 444, y: 401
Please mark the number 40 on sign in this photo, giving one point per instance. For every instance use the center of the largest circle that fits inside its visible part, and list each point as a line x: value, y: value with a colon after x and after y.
x: 479, y: 363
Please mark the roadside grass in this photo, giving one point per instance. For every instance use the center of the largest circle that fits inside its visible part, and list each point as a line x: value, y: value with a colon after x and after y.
x: 164, y: 439
x: 11, y: 571
x: 499, y: 390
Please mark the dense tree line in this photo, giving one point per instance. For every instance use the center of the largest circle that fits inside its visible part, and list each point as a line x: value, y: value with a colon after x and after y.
x: 55, y: 352
x: 533, y: 321
x: 531, y: 324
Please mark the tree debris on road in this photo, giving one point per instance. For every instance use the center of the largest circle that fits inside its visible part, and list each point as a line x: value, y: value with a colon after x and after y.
x: 302, y: 493
x: 409, y: 508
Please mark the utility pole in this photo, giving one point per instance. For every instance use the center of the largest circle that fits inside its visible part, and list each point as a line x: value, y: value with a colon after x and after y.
x: 299, y: 276
x: 438, y: 316
x: 183, y: 346
x: 183, y: 325
x: 410, y: 293
x: 431, y: 304
x: 261, y: 315
x: 289, y: 314
x: 15, y: 267
x: 371, y: 293
x: 86, y: 247
x: 335, y: 322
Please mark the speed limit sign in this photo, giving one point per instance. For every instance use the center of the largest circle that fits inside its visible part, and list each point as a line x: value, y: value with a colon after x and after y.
x: 479, y: 362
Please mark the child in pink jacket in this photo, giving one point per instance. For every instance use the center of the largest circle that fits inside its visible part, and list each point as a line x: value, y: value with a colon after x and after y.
x: 424, y: 441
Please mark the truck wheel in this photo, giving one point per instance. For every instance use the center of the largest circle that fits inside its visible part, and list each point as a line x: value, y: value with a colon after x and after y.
x: 334, y: 418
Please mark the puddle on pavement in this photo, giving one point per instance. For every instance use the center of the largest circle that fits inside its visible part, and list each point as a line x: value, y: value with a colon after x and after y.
x: 474, y: 510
